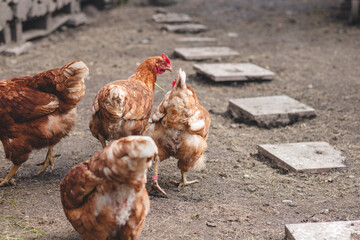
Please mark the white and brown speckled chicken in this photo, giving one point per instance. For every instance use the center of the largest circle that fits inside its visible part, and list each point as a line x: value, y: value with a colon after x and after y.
x: 123, y: 107
x: 180, y: 128
x: 105, y: 198
x: 38, y: 111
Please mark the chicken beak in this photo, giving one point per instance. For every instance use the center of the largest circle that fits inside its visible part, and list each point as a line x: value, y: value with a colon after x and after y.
x: 169, y: 69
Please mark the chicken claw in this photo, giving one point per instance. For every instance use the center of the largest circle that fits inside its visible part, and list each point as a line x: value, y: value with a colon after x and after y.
x: 155, y: 186
x: 49, y: 160
x: 8, y: 179
x: 184, y: 181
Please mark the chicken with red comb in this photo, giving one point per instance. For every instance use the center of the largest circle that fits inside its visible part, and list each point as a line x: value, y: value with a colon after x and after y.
x: 180, y: 128
x: 123, y: 107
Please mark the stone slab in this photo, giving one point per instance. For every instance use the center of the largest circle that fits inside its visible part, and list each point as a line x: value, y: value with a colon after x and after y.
x: 184, y: 28
x: 203, y: 53
x: 312, y: 157
x: 220, y: 72
x: 196, y: 39
x: 17, y: 50
x: 77, y: 19
x: 342, y: 230
x: 270, y: 111
x: 171, y: 18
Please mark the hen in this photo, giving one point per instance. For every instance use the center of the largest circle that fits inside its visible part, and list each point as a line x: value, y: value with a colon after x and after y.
x: 38, y: 111
x: 105, y: 198
x: 180, y: 129
x: 123, y: 107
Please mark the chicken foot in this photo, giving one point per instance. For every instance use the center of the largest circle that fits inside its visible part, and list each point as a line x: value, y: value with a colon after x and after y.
x: 49, y: 160
x: 8, y: 178
x: 184, y: 181
x: 154, y: 179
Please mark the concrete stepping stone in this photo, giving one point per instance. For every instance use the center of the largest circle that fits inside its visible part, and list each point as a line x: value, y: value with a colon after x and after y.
x: 220, y: 72
x: 171, y: 18
x: 342, y: 230
x: 184, y: 28
x: 203, y: 53
x: 312, y: 157
x: 18, y: 49
x: 270, y: 111
x: 196, y: 39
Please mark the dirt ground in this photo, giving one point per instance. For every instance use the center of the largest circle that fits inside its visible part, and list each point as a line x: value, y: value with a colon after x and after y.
x: 314, y: 53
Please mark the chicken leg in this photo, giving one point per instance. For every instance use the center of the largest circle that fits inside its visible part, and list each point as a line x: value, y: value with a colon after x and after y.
x: 8, y: 178
x: 48, y: 160
x: 184, y: 181
x: 154, y: 179
x: 102, y: 141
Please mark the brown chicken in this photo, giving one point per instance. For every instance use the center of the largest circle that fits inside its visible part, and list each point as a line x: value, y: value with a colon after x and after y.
x: 180, y: 129
x: 38, y: 111
x: 105, y: 198
x: 123, y: 107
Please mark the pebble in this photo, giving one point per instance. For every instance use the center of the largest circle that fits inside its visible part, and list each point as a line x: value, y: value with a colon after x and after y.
x: 325, y: 211
x: 246, y: 176
x: 233, y: 125
x: 286, y: 201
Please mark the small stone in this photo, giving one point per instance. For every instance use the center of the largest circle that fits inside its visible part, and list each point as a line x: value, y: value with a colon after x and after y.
x: 232, y: 34
x: 286, y: 201
x: 210, y: 224
x: 233, y: 125
x: 246, y: 176
x: 325, y: 211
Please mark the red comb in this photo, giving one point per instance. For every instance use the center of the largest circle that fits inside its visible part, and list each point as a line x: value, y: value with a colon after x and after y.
x: 174, y: 82
x: 166, y: 58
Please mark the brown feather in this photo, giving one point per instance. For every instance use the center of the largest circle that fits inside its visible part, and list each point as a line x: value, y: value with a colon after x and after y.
x: 123, y: 107
x: 105, y: 197
x: 38, y: 111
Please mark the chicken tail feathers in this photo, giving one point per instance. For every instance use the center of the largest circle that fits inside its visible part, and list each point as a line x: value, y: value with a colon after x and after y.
x: 200, y: 164
x: 77, y: 68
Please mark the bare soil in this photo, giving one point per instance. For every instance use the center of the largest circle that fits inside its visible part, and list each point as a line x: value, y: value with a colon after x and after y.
x: 315, y: 55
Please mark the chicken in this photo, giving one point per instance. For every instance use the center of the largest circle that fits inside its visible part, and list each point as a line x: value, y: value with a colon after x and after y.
x: 123, y: 107
x: 38, y: 111
x: 105, y: 198
x: 180, y: 128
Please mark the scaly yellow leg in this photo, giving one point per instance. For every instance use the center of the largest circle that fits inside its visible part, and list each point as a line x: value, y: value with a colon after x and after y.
x: 48, y: 160
x: 154, y: 179
x: 184, y: 181
x: 8, y: 178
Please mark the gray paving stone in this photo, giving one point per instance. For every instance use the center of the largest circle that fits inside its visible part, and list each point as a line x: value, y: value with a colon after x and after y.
x: 171, y: 18
x: 203, y: 53
x: 343, y: 230
x: 77, y: 19
x: 196, y: 39
x: 270, y: 111
x: 312, y: 157
x: 220, y: 72
x: 184, y: 28
x: 17, y: 50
